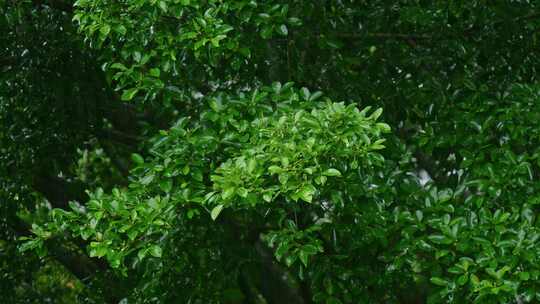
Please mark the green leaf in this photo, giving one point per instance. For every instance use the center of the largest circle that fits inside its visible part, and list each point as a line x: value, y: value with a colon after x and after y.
x: 377, y: 145
x: 438, y: 281
x: 283, y: 178
x: 332, y: 172
x: 524, y: 276
x: 462, y: 280
x: 137, y: 56
x: 283, y: 30
x: 216, y: 211
x: 315, y: 96
x: 120, y: 29
x: 440, y: 239
x: 142, y: 253
x: 129, y: 94
x: 266, y: 32
x: 321, y: 180
x: 155, y: 72
x: 137, y: 158
x: 147, y: 179
x: 215, y: 41
x: 246, y: 52
x: 303, y: 257
x: 155, y: 251
x: 76, y: 17
x: 30, y: 244
x: 307, y: 192
x: 385, y: 128
x: 197, y: 175
x: 132, y: 234
x: 243, y: 192
x: 281, y: 250
x: 216, y: 105
x: 295, y: 21
x: 185, y: 170
x: 375, y: 115
x: 166, y: 185
x: 98, y: 249
x: 310, y: 249
x: 163, y: 6
x: 274, y: 169
x: 118, y: 66
x: 305, y: 93
x: 289, y: 260
x: 114, y: 259
x: 105, y: 29
x: 309, y: 170
x: 228, y: 193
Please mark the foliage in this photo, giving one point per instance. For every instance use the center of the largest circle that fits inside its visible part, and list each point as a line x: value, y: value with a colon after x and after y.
x: 163, y: 151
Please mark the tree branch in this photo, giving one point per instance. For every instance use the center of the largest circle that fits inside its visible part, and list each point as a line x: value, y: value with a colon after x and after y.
x: 275, y: 287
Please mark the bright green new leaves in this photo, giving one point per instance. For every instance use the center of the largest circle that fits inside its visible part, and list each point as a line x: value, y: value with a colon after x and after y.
x: 216, y: 211
x: 292, y: 155
x: 128, y: 95
x: 276, y: 145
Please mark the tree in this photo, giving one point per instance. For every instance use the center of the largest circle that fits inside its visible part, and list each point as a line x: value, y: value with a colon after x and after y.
x: 163, y: 151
